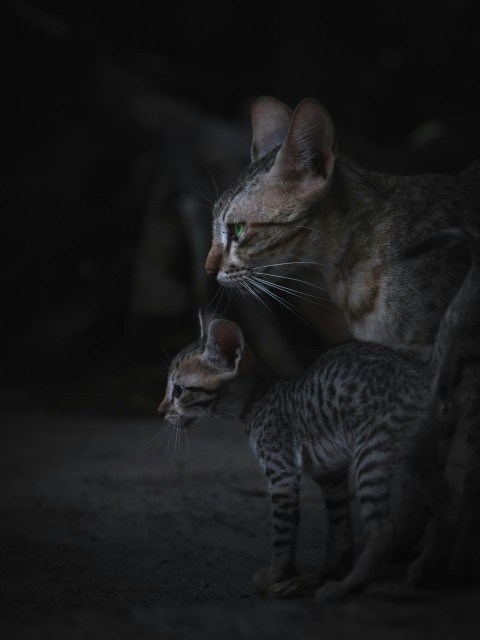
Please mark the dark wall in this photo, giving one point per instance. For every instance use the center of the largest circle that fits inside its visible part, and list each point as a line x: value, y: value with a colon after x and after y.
x: 117, y: 117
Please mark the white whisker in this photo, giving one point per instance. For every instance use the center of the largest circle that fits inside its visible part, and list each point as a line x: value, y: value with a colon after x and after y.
x: 297, y: 262
x: 254, y: 293
x: 274, y: 275
x: 309, y: 297
x: 279, y: 299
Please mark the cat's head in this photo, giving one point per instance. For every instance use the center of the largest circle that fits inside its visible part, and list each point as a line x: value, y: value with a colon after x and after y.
x: 264, y: 222
x: 206, y: 378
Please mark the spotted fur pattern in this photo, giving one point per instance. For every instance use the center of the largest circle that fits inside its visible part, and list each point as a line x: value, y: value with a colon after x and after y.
x: 361, y: 408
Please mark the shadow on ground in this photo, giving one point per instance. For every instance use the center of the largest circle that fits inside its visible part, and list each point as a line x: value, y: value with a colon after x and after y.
x: 112, y: 528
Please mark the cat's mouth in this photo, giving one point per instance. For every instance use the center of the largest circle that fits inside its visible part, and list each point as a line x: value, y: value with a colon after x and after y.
x: 232, y: 277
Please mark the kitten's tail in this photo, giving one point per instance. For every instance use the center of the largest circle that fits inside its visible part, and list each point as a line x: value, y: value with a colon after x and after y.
x: 459, y: 312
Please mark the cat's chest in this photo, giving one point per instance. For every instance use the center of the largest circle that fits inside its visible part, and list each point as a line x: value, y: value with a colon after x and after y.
x: 360, y: 293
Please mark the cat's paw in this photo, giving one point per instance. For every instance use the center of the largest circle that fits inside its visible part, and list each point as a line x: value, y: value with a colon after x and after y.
x: 426, y: 572
x: 333, y: 590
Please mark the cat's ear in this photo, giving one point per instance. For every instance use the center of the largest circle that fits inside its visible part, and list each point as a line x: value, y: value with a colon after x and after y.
x: 270, y: 122
x: 205, y: 317
x: 308, y: 153
x: 225, y: 344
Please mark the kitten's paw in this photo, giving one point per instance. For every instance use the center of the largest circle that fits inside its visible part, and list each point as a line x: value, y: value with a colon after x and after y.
x: 272, y: 583
x: 295, y: 587
x: 262, y: 579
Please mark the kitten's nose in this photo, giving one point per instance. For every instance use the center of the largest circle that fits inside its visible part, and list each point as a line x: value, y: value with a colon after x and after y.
x: 162, y: 409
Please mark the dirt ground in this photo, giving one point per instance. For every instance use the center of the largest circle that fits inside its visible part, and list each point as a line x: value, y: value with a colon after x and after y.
x: 111, y: 529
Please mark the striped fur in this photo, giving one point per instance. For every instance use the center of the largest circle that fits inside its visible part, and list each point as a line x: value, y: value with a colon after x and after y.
x: 362, y: 409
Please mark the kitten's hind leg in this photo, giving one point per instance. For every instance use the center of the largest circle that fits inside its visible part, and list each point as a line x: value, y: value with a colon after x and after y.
x: 373, y: 475
x: 339, y: 548
x: 377, y: 550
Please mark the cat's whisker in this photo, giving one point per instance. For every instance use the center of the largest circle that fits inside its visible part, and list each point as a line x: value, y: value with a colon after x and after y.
x: 278, y: 299
x: 308, y: 297
x: 295, y: 262
x: 256, y: 295
x: 209, y: 200
x: 211, y: 177
x: 274, y: 275
x: 218, y: 294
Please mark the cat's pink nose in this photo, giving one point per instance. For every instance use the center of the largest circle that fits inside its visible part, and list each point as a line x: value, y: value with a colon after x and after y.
x: 211, y: 272
x: 212, y: 263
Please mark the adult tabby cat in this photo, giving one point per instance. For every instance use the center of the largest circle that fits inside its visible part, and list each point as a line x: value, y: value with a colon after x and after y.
x: 301, y: 204
x: 362, y: 407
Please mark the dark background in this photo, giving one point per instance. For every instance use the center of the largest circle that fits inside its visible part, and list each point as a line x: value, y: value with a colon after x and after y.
x: 119, y: 123
x: 119, y: 118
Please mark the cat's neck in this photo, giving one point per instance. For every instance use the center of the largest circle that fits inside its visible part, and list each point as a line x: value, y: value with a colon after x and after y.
x: 353, y: 261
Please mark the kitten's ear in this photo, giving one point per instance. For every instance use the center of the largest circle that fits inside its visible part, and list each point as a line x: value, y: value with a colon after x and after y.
x: 270, y: 122
x: 205, y: 317
x: 308, y: 153
x: 225, y: 344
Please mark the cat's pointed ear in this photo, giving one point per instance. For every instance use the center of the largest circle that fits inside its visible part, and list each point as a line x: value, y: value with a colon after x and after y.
x: 205, y: 317
x: 308, y: 153
x: 270, y: 122
x: 225, y: 344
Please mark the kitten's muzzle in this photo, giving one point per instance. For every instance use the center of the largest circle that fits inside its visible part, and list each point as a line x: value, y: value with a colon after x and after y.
x: 163, y: 409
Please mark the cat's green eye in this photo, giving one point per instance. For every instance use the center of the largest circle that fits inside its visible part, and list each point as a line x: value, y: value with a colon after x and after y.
x: 237, y: 229
x: 177, y: 391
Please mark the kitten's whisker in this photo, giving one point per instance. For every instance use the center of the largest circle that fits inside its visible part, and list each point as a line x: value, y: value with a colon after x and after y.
x: 186, y: 436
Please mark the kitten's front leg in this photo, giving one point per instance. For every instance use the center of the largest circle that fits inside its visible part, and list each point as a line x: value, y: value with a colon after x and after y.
x: 284, y: 492
x: 339, y: 551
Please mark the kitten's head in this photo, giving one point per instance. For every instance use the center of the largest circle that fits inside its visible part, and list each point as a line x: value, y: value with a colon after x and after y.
x: 205, y: 378
x: 265, y: 219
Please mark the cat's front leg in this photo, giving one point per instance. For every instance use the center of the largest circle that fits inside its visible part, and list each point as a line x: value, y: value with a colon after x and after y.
x: 284, y: 492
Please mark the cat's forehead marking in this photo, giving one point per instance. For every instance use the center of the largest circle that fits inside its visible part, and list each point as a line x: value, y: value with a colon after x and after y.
x: 239, y: 192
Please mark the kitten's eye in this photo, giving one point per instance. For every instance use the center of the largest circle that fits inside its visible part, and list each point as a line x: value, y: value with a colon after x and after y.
x: 237, y: 230
x: 177, y: 391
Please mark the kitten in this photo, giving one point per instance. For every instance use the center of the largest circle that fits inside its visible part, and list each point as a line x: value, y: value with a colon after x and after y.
x: 301, y: 204
x: 362, y: 407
